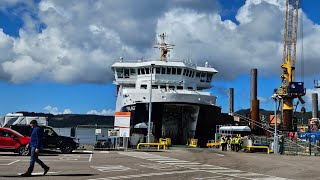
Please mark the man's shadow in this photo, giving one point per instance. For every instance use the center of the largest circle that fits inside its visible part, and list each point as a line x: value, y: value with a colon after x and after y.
x: 50, y: 175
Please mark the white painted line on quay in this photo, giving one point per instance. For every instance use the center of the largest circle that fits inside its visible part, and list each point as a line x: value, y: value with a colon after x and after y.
x: 146, y: 175
x: 13, y: 162
x: 90, y: 158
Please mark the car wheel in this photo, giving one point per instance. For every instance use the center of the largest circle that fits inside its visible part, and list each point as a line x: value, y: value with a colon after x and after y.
x: 66, y: 148
x: 23, y: 151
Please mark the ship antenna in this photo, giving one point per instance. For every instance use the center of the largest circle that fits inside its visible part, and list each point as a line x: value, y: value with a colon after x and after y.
x: 164, y: 47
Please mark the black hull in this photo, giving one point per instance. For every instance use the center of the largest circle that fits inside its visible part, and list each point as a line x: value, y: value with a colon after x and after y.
x: 208, y: 117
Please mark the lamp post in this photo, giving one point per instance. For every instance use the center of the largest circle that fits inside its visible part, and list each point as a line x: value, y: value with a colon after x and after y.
x: 275, y: 139
x: 150, y: 104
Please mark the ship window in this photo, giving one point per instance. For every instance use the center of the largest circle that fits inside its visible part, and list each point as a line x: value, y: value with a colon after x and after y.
x: 203, y: 77
x: 154, y: 86
x: 163, y: 70
x: 162, y: 87
x: 132, y: 72
x: 185, y: 72
x: 143, y: 86
x: 209, y: 77
x: 139, y: 71
x: 158, y: 70
x: 198, y: 74
x: 179, y: 87
x: 119, y: 72
x: 174, y: 70
x: 178, y: 71
x: 147, y: 70
x: 171, y: 87
x: 168, y: 70
x: 190, y: 88
x: 126, y: 73
x: 190, y: 73
x: 142, y: 71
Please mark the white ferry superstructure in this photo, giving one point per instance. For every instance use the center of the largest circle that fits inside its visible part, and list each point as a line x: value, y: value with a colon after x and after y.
x: 180, y: 107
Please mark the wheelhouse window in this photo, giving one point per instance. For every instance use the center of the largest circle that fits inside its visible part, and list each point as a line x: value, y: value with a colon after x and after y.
x: 132, y: 72
x: 147, y: 70
x: 168, y: 70
x: 179, y: 71
x: 174, y: 71
x: 171, y: 87
x: 190, y: 88
x: 126, y: 73
x: 162, y: 87
x: 158, y: 70
x: 119, y: 72
x: 155, y: 87
x: 203, y: 77
x: 163, y: 70
x: 142, y: 71
x: 197, y: 74
x: 209, y: 77
x: 179, y: 87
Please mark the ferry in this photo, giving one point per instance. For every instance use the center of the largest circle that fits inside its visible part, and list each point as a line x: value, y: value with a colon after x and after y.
x: 181, y: 108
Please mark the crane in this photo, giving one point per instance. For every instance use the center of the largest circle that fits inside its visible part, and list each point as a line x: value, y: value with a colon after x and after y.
x: 289, y: 89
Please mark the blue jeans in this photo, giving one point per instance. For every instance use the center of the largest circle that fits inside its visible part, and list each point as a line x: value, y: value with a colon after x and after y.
x: 34, y: 158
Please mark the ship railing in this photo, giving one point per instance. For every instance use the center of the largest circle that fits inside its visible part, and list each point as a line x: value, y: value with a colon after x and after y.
x: 187, y: 62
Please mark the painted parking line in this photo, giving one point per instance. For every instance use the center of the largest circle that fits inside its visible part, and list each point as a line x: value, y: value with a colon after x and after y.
x: 111, y: 168
x: 10, y: 162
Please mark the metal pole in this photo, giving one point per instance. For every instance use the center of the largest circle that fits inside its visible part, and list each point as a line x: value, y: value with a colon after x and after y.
x: 150, y: 104
x: 275, y: 140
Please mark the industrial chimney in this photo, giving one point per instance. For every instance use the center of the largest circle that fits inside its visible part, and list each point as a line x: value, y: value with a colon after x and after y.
x: 254, y: 100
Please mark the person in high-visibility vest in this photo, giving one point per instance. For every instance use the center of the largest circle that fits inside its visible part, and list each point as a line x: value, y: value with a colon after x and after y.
x: 238, y: 143
x: 232, y: 142
x: 223, y: 141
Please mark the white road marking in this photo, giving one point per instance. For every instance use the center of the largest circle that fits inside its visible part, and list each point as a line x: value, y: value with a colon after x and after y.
x: 87, y: 151
x: 218, y: 154
x: 110, y: 168
x: 146, y: 175
x: 197, y: 167
x: 13, y: 162
x: 9, y: 163
x: 90, y: 158
x: 41, y: 173
x: 104, y: 152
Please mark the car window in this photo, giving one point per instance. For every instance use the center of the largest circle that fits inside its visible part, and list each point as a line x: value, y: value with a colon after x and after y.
x: 16, y: 132
x: 5, y: 133
x: 49, y: 132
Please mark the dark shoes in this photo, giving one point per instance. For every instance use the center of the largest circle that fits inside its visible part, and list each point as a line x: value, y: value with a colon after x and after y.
x: 27, y: 174
x: 46, y: 169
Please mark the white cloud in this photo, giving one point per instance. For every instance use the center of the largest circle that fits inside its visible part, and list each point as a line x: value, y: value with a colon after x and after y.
x: 55, y: 111
x: 69, y: 42
x: 104, y: 112
x: 263, y: 99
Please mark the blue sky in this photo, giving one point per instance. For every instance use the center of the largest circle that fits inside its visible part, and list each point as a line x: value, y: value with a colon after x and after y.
x: 56, y: 55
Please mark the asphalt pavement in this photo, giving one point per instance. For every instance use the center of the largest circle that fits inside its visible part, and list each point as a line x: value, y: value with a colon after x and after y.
x: 175, y: 163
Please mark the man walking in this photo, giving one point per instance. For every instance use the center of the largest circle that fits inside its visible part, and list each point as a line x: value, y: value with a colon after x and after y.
x: 35, y: 145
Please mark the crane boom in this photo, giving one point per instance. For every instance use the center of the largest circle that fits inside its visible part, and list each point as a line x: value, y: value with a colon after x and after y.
x: 289, y: 89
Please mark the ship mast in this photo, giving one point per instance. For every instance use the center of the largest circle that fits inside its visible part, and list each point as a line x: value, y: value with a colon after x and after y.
x: 164, y: 47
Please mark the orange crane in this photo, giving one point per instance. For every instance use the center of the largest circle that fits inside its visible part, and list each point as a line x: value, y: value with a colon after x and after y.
x: 289, y: 89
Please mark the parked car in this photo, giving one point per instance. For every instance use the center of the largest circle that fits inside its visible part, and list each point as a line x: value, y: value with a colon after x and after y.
x: 51, y: 140
x: 11, y: 140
